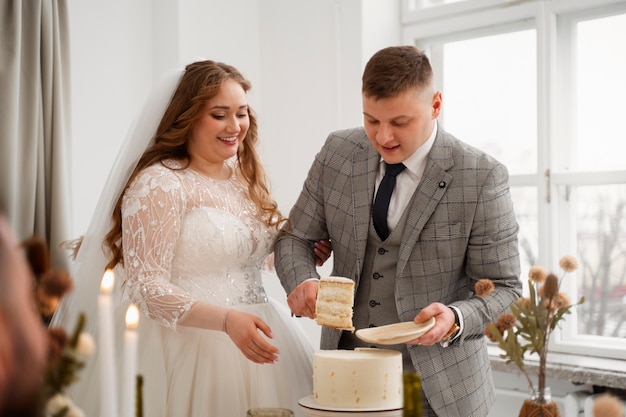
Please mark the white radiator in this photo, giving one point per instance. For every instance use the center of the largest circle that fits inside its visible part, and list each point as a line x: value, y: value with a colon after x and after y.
x: 574, y: 404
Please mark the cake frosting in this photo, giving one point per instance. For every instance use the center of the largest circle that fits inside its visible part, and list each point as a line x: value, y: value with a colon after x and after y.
x: 335, y: 299
x: 362, y: 378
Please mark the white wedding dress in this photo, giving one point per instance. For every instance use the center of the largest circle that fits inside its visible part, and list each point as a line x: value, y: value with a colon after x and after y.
x: 188, y: 237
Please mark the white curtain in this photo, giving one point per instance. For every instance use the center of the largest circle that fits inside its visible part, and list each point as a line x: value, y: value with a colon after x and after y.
x: 35, y: 120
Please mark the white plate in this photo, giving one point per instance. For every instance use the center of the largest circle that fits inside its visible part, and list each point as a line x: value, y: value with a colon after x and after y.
x: 312, y: 409
x: 393, y: 334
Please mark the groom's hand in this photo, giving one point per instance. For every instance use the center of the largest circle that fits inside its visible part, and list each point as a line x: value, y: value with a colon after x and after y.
x: 301, y: 301
x: 444, y: 321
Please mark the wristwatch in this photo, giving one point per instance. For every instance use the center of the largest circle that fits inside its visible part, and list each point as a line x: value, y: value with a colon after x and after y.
x: 454, y: 329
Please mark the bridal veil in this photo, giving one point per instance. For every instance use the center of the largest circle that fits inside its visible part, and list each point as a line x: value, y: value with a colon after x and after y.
x: 89, y: 265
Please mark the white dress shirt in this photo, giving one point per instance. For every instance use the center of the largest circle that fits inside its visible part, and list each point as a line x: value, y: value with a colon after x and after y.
x: 407, y: 180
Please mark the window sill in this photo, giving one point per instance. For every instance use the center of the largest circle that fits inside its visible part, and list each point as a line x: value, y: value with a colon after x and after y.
x: 576, y: 369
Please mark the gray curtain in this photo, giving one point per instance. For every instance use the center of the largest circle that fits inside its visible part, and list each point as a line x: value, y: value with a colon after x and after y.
x: 35, y: 121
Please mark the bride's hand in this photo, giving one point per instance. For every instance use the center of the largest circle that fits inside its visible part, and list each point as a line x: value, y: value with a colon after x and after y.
x: 322, y: 250
x: 243, y: 329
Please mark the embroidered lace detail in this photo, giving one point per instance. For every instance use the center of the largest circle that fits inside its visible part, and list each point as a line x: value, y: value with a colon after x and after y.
x: 188, y: 237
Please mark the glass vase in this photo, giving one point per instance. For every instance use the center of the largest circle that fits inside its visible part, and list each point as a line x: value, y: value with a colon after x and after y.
x: 540, y: 404
x: 541, y: 396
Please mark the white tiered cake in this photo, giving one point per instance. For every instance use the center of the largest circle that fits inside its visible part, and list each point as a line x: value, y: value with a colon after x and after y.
x: 363, y: 378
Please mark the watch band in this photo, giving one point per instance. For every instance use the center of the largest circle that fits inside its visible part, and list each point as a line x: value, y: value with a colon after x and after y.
x: 455, y: 327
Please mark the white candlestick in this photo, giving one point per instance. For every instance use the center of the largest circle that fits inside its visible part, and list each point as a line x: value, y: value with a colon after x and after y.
x: 108, y: 399
x: 130, y: 362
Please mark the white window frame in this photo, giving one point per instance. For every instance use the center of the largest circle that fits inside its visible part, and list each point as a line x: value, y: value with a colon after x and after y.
x: 553, y: 20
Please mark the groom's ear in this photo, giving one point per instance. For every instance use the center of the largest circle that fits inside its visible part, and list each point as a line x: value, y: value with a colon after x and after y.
x: 436, y: 104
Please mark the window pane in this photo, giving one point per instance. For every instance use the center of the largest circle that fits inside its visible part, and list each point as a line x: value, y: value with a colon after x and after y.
x: 489, y: 96
x: 525, y: 202
x: 601, y: 86
x: 600, y: 217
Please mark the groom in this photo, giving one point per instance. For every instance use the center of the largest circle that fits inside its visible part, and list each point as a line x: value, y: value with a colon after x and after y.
x: 415, y: 217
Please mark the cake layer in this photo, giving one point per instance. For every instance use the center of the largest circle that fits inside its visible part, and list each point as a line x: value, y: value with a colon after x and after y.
x: 362, y: 378
x: 335, y: 298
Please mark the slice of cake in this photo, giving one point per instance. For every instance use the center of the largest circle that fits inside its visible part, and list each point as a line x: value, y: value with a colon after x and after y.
x: 335, y: 298
x: 364, y: 378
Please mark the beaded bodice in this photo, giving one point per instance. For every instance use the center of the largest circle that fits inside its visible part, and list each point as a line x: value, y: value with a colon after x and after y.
x: 188, y: 237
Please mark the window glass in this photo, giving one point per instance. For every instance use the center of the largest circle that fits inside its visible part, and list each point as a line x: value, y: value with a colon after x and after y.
x: 600, y: 239
x: 489, y: 96
x: 525, y: 202
x: 601, y: 86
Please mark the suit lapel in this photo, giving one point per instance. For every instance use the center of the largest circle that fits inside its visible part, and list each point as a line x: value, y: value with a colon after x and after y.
x: 365, y: 165
x: 428, y: 194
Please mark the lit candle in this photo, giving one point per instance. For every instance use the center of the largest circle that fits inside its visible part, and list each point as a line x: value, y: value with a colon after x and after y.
x: 130, y: 361
x: 108, y: 399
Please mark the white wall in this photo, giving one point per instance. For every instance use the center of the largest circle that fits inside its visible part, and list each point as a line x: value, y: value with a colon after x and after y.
x: 313, y: 55
x: 111, y: 67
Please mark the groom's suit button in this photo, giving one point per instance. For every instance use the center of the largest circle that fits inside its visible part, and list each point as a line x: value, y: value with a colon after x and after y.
x: 382, y: 251
x: 374, y: 303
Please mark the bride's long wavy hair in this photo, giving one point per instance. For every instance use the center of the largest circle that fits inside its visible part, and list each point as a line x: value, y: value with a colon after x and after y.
x: 200, y: 83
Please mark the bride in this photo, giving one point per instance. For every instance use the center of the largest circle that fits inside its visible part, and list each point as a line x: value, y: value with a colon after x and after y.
x: 187, y: 222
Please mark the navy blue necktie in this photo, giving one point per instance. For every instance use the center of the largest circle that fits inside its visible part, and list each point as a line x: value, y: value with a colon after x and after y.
x: 383, y: 196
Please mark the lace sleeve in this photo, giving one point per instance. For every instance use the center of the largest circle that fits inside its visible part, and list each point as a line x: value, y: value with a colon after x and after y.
x: 152, y: 210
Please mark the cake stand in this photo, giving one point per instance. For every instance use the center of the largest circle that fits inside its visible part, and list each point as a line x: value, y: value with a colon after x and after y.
x: 312, y: 409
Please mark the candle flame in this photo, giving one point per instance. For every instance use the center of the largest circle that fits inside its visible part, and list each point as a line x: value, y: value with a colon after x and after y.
x: 132, y: 317
x: 108, y: 279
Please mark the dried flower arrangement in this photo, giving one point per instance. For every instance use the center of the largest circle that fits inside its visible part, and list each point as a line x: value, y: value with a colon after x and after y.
x: 66, y: 356
x: 531, y: 320
x: 50, y: 284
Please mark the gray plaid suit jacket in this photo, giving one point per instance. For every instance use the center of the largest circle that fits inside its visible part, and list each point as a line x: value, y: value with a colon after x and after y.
x: 461, y: 227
